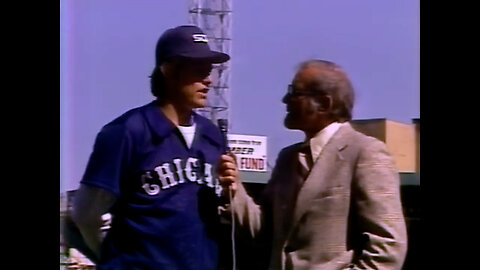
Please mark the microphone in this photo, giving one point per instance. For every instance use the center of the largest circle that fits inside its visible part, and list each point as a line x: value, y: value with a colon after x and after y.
x: 223, y: 126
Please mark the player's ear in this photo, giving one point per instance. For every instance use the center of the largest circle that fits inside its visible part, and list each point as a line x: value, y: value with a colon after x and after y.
x: 166, y: 69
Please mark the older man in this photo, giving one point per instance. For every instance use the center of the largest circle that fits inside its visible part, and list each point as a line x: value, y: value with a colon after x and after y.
x: 333, y: 200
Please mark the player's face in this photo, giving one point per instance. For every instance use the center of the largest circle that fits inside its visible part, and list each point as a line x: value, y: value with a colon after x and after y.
x: 193, y: 83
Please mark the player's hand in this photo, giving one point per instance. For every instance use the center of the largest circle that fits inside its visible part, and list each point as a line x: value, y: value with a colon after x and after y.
x: 228, y: 172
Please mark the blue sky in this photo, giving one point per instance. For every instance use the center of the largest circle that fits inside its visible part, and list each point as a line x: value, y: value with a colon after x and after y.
x: 107, y: 52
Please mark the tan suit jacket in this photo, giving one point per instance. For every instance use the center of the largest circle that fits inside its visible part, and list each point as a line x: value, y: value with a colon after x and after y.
x: 346, y: 215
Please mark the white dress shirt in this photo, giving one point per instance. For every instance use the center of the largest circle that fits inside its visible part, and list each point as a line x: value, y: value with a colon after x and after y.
x: 318, y: 142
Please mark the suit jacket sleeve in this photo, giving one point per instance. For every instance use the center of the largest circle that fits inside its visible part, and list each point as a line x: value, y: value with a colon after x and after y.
x: 379, y: 222
x: 247, y: 213
x: 250, y: 215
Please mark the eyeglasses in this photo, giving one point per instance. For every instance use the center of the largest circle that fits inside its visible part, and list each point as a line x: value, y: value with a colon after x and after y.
x: 197, y: 68
x: 202, y: 70
x: 292, y: 91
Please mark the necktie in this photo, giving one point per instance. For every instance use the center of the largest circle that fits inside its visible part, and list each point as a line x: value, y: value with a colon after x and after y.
x: 305, y: 162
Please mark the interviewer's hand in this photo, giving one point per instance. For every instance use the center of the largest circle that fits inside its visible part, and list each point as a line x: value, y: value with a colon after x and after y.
x: 228, y: 172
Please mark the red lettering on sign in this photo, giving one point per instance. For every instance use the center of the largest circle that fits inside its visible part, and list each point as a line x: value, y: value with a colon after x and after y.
x: 252, y: 163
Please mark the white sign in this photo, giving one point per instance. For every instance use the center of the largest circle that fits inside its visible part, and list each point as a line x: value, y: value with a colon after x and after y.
x: 251, y: 151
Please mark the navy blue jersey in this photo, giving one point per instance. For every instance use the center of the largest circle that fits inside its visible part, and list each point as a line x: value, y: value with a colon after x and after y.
x: 165, y: 216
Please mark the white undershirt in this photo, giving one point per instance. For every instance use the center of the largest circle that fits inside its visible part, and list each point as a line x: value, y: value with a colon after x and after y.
x: 188, y: 133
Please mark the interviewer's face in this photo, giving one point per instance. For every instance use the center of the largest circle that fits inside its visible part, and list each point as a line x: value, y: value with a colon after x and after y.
x: 302, y: 109
x: 192, y: 81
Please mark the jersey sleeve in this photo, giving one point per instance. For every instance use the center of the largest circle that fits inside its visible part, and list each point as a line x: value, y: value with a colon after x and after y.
x: 109, y: 160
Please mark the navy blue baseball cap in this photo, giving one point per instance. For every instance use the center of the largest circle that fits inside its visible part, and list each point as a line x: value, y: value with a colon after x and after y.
x: 187, y: 41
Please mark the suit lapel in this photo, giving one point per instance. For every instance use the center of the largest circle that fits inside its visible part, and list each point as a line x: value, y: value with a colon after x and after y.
x: 316, y: 180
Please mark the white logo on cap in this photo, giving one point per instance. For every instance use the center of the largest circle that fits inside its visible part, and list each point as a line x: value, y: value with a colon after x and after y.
x: 200, y: 38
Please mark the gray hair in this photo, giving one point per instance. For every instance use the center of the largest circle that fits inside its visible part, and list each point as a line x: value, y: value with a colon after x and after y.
x: 334, y: 82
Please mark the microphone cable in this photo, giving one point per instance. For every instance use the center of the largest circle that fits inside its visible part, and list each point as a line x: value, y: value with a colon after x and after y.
x: 223, y: 125
x: 233, y: 228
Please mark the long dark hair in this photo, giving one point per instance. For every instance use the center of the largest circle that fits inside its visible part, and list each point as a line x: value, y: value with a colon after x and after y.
x: 157, y: 83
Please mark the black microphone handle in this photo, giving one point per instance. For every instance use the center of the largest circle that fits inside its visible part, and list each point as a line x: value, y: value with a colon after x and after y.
x: 223, y: 126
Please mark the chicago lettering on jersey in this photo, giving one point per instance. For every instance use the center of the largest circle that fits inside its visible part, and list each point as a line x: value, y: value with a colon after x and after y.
x: 177, y: 172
